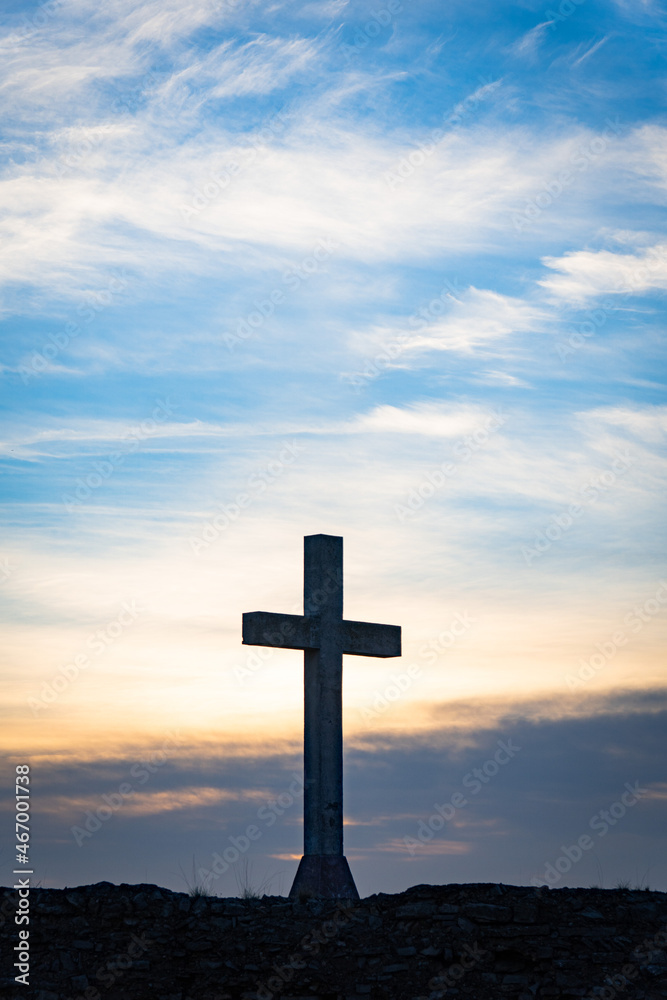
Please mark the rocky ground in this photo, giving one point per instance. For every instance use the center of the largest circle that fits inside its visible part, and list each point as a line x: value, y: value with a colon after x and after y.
x: 141, y: 942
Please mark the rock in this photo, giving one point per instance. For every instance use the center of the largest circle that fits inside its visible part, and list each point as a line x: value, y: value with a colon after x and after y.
x: 416, y: 910
x: 448, y: 908
x: 465, y: 925
x: 467, y: 941
x: 66, y: 962
x: 525, y: 912
x: 488, y: 913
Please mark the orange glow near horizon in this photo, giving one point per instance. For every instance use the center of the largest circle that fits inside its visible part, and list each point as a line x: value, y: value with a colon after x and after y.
x: 455, y: 721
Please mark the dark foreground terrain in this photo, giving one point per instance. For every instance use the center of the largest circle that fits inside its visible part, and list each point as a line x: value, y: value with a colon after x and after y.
x: 140, y: 942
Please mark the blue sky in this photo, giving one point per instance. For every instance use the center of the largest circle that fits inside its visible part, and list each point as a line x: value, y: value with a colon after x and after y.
x: 384, y: 271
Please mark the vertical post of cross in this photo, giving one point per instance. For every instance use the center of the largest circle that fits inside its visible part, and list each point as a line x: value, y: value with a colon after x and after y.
x: 323, y: 708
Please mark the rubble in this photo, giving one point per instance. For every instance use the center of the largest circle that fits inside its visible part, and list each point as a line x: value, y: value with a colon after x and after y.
x: 479, y: 941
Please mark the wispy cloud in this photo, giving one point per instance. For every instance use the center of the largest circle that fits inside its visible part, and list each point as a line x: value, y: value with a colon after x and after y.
x: 585, y: 274
x: 590, y: 51
x: 648, y: 423
x: 528, y: 44
x: 429, y: 419
x: 479, y: 319
x: 639, y: 10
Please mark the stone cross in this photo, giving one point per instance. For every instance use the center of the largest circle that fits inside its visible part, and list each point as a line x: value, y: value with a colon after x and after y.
x: 324, y: 635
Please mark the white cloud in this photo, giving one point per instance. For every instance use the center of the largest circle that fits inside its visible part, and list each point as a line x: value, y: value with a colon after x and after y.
x: 585, y: 274
x: 301, y: 189
x: 648, y: 155
x: 528, y: 44
x: 84, y: 45
x: 648, y: 423
x: 492, y: 377
x: 433, y: 420
x: 475, y: 321
x: 590, y: 51
x: 479, y: 318
x: 259, y: 66
x: 63, y: 438
x: 640, y: 10
x: 324, y: 8
x: 127, y: 179
x: 103, y: 188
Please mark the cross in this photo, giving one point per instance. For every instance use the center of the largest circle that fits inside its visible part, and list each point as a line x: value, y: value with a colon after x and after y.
x: 324, y: 635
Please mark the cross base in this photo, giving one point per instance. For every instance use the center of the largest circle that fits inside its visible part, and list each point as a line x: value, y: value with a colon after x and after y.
x: 326, y: 876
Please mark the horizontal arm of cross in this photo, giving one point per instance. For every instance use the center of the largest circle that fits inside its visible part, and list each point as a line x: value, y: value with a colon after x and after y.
x: 264, y: 628
x: 369, y: 639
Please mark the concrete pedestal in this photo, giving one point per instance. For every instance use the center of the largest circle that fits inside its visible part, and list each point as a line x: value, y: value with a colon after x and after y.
x: 324, y: 876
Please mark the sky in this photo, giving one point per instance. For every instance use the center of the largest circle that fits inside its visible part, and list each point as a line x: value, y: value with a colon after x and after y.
x: 389, y: 271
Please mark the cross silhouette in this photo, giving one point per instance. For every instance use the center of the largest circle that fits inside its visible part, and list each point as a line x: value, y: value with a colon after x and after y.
x: 324, y: 635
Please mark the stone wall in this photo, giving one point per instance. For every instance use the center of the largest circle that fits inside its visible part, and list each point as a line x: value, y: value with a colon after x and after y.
x: 140, y: 942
